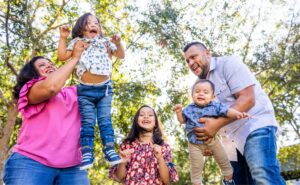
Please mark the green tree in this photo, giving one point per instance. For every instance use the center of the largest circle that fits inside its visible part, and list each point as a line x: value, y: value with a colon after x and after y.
x: 154, y: 71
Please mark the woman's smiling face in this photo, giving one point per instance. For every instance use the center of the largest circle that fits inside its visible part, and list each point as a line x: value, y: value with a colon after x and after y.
x: 44, y: 67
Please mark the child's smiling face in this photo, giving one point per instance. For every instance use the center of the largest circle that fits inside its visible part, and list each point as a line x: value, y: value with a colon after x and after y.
x: 92, y: 28
x: 146, y: 119
x: 203, y: 94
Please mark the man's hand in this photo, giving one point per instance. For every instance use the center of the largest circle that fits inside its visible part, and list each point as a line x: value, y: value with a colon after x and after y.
x: 210, y: 129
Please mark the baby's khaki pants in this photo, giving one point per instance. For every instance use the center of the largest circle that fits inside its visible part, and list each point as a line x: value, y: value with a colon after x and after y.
x: 197, y: 159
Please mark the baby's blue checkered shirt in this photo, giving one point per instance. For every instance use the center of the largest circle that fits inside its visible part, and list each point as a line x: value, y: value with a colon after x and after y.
x: 192, y: 113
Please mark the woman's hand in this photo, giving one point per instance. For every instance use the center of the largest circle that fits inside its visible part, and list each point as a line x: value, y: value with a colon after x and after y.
x: 79, y: 47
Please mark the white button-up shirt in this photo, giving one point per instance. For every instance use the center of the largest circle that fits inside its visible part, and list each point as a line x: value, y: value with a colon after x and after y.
x: 230, y: 75
x: 95, y: 58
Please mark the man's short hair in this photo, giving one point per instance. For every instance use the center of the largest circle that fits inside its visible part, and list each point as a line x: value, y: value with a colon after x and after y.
x: 186, y: 47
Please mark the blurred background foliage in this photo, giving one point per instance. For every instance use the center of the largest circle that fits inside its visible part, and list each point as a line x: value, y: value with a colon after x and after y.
x: 265, y: 34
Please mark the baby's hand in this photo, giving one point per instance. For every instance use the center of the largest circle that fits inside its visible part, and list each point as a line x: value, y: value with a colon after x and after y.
x: 116, y: 39
x: 64, y: 31
x: 177, y: 108
x: 126, y: 155
x: 242, y: 115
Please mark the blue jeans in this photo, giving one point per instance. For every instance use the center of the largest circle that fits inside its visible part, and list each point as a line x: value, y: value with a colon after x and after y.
x: 241, y: 172
x: 20, y: 170
x: 260, y: 157
x: 95, y: 102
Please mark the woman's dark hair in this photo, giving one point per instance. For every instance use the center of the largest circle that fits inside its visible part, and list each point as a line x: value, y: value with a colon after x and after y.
x: 136, y: 129
x: 27, y: 73
x: 80, y: 25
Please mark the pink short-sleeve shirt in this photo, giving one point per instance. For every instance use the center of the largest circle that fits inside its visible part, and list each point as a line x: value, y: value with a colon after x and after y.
x: 50, y: 130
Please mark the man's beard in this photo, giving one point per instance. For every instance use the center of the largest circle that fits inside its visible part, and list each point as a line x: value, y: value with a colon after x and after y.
x: 205, y: 68
x: 203, y: 75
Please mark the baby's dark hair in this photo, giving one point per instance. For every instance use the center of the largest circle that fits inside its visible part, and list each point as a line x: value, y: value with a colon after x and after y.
x: 80, y: 25
x: 204, y: 81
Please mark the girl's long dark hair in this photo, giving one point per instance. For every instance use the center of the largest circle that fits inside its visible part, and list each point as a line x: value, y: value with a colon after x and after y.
x: 27, y: 73
x: 80, y: 25
x: 136, y: 129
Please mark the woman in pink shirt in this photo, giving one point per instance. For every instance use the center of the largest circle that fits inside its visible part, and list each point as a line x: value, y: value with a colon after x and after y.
x: 47, y: 150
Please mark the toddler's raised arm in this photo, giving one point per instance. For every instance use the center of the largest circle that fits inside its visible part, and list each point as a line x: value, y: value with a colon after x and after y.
x: 178, y: 110
x: 62, y: 53
x: 120, y: 52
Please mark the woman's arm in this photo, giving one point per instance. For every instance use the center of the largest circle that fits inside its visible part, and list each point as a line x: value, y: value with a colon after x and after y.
x: 45, y: 89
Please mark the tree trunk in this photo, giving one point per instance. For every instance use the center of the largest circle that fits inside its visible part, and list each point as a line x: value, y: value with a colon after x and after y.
x: 7, y: 131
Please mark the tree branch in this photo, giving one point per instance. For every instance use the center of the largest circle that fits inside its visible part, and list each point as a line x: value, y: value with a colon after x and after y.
x: 249, y: 39
x: 284, y: 49
x: 131, y: 44
x: 2, y: 97
x: 49, y: 26
x: 13, y: 19
x: 7, y: 53
x: 34, y: 11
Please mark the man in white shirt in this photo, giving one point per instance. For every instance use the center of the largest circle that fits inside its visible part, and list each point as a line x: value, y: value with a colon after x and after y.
x: 254, y: 138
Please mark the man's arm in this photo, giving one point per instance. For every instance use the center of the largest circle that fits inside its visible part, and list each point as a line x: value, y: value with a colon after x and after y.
x: 245, y: 100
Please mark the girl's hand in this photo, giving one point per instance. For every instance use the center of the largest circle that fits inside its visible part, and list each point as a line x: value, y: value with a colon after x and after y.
x: 116, y: 39
x: 126, y: 155
x: 177, y: 108
x: 157, y: 151
x: 64, y: 31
